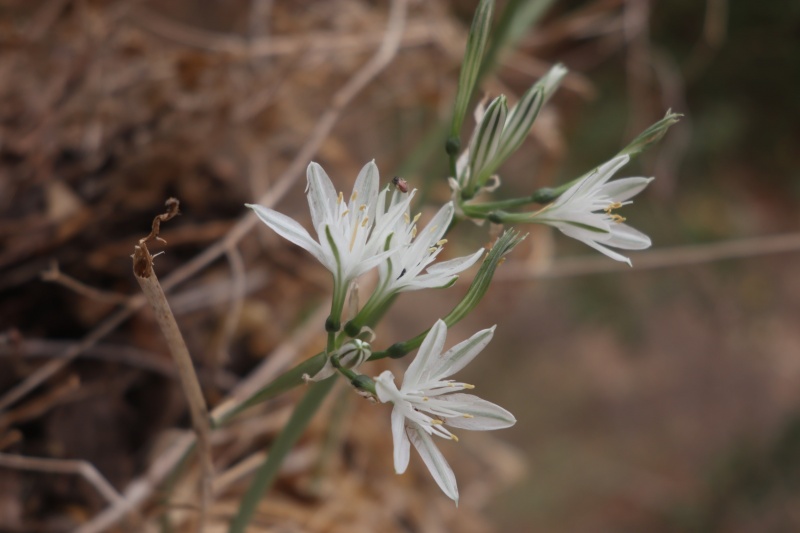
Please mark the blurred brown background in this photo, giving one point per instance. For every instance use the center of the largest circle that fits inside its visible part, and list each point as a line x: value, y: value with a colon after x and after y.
x: 659, y: 398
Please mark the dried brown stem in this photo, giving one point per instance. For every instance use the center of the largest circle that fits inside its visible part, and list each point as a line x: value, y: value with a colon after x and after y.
x: 54, y: 275
x: 64, y: 466
x: 148, y: 281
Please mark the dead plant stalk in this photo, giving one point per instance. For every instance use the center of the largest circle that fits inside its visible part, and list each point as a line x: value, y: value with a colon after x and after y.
x: 148, y: 281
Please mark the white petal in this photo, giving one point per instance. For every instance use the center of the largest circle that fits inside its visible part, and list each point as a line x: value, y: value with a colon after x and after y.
x: 402, y: 446
x: 434, y: 460
x: 485, y: 416
x: 627, y: 238
x: 425, y: 281
x: 290, y: 230
x: 609, y: 252
x: 366, y: 189
x: 459, y: 355
x: 322, y: 196
x: 625, y: 188
x: 386, y: 388
x: 455, y: 266
x: 428, y: 351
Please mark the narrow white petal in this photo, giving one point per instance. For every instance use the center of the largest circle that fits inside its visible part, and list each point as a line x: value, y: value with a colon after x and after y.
x: 455, y: 266
x: 366, y: 189
x: 321, y: 195
x: 627, y: 238
x: 425, y: 281
x: 434, y: 460
x: 290, y: 230
x: 402, y: 446
x: 609, y: 252
x: 430, y: 349
x: 484, y: 415
x: 625, y: 188
x: 459, y: 355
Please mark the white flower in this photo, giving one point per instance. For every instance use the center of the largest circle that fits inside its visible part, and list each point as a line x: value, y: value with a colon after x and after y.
x: 585, y: 211
x: 427, y: 402
x: 348, y: 241
x: 413, y: 253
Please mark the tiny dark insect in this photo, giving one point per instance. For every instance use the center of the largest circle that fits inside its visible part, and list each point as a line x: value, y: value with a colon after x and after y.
x: 400, y: 183
x: 403, y: 273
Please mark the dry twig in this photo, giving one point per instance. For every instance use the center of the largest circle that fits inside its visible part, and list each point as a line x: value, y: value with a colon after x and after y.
x: 148, y: 281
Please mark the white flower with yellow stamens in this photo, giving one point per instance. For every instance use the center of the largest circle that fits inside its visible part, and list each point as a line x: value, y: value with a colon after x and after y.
x: 349, y: 241
x: 585, y: 211
x: 426, y: 403
x: 410, y: 266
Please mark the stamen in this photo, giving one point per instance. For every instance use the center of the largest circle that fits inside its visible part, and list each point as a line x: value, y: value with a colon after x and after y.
x: 467, y: 386
x: 363, y: 207
x: 425, y: 398
x: 453, y: 437
x: 413, y: 232
x: 612, y: 206
x: 465, y: 415
x: 436, y: 422
x: 618, y: 219
x: 364, y: 222
x: 416, y: 217
x: 441, y: 242
x: 346, y: 211
x: 406, y: 219
x: 353, y: 237
x: 354, y: 196
x: 341, y: 197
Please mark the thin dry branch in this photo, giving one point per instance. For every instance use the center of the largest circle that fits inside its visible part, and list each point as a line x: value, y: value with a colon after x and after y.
x: 663, y: 258
x: 54, y: 275
x: 148, y: 281
x: 64, y: 466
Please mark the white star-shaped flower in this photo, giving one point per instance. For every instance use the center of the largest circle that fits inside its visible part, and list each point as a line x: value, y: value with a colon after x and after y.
x: 585, y: 211
x: 349, y: 242
x: 409, y: 267
x: 427, y: 403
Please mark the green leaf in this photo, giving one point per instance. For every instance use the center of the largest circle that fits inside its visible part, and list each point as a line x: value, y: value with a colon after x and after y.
x: 282, y: 445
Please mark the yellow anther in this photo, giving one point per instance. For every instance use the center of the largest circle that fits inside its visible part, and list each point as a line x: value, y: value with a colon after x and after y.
x: 465, y: 415
x: 416, y: 217
x: 453, y: 437
x: 425, y: 398
x: 432, y: 249
x: 441, y: 242
x: 467, y: 386
x: 618, y: 219
x: 346, y: 211
x: 341, y: 197
x: 363, y: 207
x: 413, y: 232
x: 364, y: 222
x: 354, y: 196
x: 436, y: 422
x: 612, y: 206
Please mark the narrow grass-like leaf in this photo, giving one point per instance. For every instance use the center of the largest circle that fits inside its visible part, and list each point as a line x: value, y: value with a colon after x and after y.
x: 268, y: 471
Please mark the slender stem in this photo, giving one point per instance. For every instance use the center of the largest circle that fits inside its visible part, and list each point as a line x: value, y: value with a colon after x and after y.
x: 146, y: 276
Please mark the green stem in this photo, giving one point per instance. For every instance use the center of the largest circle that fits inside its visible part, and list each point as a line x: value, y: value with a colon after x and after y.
x: 282, y: 445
